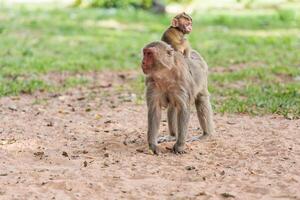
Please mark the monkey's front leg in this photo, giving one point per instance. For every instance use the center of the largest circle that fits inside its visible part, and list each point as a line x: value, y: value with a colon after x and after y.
x: 154, y: 115
x: 172, y: 123
x: 172, y: 120
x: 183, y: 117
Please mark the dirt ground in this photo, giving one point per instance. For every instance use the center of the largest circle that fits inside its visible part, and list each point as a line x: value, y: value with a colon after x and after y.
x: 90, y: 143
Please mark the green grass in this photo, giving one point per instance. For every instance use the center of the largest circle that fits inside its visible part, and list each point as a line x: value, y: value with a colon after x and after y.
x: 254, y: 56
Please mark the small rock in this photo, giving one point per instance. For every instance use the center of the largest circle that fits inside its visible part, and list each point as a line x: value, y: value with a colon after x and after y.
x: 190, y: 168
x: 106, y: 164
x: 122, y: 76
x: 201, y: 194
x: 65, y: 154
x: 97, y: 116
x: 84, y: 151
x: 140, y: 150
x: 105, y: 85
x: 85, y: 164
x: 227, y: 195
x: 106, y: 155
x: 43, y: 183
x: 13, y: 107
x: 80, y: 98
x: 39, y: 153
x: 50, y: 123
x: 62, y: 98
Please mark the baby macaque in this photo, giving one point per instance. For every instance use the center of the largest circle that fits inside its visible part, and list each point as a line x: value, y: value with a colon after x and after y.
x: 175, y: 34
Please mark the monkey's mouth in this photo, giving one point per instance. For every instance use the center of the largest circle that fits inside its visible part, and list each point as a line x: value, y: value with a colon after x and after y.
x: 188, y: 30
x: 145, y: 70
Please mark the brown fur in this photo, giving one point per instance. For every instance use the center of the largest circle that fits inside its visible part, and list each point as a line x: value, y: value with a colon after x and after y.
x: 175, y: 34
x: 176, y: 82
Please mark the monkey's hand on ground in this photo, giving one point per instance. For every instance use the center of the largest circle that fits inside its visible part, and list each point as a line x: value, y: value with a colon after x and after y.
x: 178, y: 149
x: 154, y: 148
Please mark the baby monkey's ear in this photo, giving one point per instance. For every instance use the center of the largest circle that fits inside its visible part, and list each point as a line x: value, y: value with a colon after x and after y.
x: 174, y: 22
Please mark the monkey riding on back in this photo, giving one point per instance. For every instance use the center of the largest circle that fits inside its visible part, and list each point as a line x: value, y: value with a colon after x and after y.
x: 175, y: 82
x: 175, y: 35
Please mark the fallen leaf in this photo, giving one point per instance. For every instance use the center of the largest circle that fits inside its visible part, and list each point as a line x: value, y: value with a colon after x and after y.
x: 7, y: 141
x: 98, y: 116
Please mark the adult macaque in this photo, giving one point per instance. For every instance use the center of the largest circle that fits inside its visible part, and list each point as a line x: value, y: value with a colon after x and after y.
x: 175, y: 34
x: 175, y: 82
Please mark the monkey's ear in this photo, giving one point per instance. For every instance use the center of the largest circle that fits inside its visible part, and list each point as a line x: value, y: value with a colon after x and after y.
x: 174, y: 23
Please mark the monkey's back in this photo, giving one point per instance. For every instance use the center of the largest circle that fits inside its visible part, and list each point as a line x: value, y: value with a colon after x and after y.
x: 199, y: 70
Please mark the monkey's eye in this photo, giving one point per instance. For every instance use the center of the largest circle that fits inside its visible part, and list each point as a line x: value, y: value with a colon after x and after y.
x: 148, y: 53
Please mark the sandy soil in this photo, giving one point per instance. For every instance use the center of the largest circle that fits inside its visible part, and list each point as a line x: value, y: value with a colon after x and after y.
x: 89, y: 143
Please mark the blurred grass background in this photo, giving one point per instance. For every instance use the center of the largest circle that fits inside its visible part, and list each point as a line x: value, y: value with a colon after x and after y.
x: 253, y: 51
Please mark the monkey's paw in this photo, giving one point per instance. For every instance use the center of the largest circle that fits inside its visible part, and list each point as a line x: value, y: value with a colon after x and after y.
x: 154, y: 148
x: 178, y: 149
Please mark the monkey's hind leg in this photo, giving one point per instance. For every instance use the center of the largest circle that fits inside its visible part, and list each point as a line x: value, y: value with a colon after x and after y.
x: 172, y: 121
x: 183, y: 116
x: 172, y: 124
x: 205, y: 114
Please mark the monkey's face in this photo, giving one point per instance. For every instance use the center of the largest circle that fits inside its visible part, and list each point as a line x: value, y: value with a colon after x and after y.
x: 185, y: 25
x: 148, y: 59
x: 183, y: 22
x: 157, y: 56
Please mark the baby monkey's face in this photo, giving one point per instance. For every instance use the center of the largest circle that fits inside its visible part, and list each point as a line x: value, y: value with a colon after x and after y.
x: 183, y: 22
